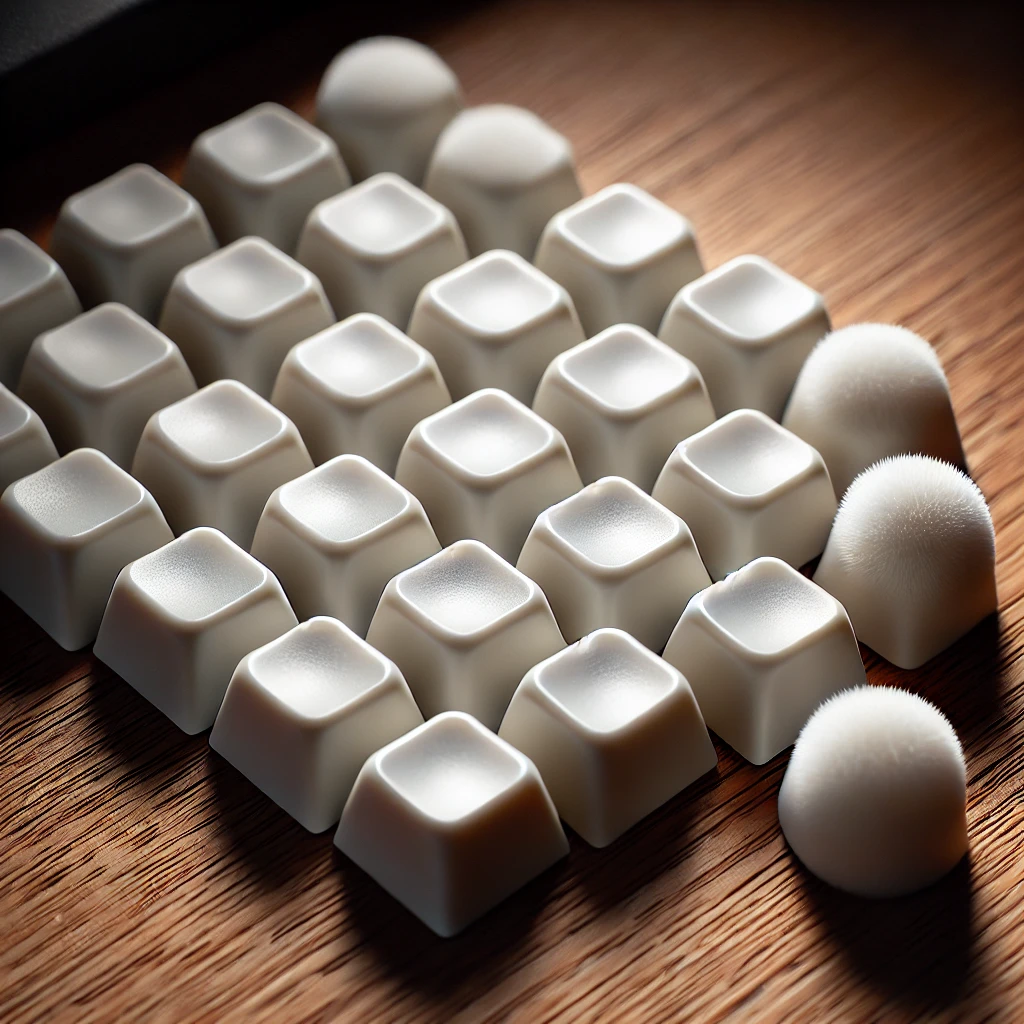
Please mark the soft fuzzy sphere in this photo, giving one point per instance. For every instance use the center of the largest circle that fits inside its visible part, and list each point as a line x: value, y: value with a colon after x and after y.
x: 868, y: 391
x: 911, y: 556
x: 874, y: 797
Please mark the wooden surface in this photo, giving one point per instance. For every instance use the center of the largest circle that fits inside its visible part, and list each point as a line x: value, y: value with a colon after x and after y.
x: 141, y: 877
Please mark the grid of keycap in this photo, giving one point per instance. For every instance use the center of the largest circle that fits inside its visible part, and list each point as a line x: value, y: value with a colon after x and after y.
x: 284, y: 404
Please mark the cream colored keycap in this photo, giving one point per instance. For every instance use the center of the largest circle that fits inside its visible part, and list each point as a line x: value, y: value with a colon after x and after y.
x: 336, y: 535
x: 375, y: 246
x: 912, y: 557
x: 748, y: 487
x: 749, y: 326
x: 237, y: 313
x: 869, y: 391
x: 180, y: 619
x: 35, y: 296
x: 485, y: 468
x: 622, y: 401
x: 464, y: 627
x: 450, y: 820
x: 25, y: 443
x: 261, y: 173
x: 384, y: 101
x: 302, y: 713
x: 358, y: 388
x: 613, y: 730
x: 622, y: 255
x: 504, y: 173
x: 762, y: 649
x: 124, y: 239
x: 612, y: 556
x: 66, y: 531
x: 97, y: 380
x: 496, y: 321
x: 214, y: 458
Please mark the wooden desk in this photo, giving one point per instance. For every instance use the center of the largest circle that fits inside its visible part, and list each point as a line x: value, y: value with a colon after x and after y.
x: 141, y: 877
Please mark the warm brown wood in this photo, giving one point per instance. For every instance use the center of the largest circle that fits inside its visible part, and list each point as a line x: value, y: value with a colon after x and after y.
x: 141, y: 877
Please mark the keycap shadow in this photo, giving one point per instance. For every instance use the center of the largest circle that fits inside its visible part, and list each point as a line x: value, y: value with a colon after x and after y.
x: 919, y: 950
x: 453, y: 971
x: 659, y: 843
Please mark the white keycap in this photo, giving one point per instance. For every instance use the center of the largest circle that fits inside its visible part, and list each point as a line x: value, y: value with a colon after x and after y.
x: 35, y: 296
x: 261, y: 173
x: 464, y: 627
x: 25, y: 443
x: 868, y: 391
x: 496, y: 321
x: 749, y: 326
x: 748, y: 487
x: 614, y: 731
x: 612, y: 556
x: 450, y: 820
x: 214, y: 458
x: 237, y: 313
x: 622, y: 401
x: 504, y: 173
x: 303, y: 713
x: 622, y: 255
x: 384, y: 102
x: 762, y: 649
x: 124, y: 239
x: 359, y: 387
x: 336, y: 535
x: 66, y: 531
x: 485, y: 468
x: 97, y: 380
x: 375, y: 246
x: 180, y: 619
x: 912, y: 557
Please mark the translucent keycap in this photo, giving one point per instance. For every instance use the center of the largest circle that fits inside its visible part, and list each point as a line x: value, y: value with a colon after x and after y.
x: 614, y: 731
x: 622, y: 255
x: 180, y: 619
x: 613, y: 556
x: 97, y: 380
x: 358, y: 388
x: 25, y: 443
x: 749, y: 326
x: 496, y: 321
x: 302, y: 713
x: 261, y: 173
x: 35, y: 296
x: 237, y: 313
x: 748, y: 487
x: 66, y: 531
x: 124, y: 239
x: 622, y: 401
x: 762, y: 649
x: 485, y: 468
x: 376, y: 245
x: 464, y: 627
x: 337, y: 534
x: 450, y: 820
x: 214, y: 458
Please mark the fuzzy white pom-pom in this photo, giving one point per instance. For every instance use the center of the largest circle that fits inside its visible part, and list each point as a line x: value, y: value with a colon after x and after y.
x: 874, y: 796
x: 911, y: 556
x: 868, y: 391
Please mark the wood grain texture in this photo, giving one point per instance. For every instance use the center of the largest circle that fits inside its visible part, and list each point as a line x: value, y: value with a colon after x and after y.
x: 142, y: 878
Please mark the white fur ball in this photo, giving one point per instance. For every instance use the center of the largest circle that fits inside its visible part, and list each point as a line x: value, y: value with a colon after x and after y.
x: 868, y: 391
x: 911, y: 556
x: 874, y: 798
